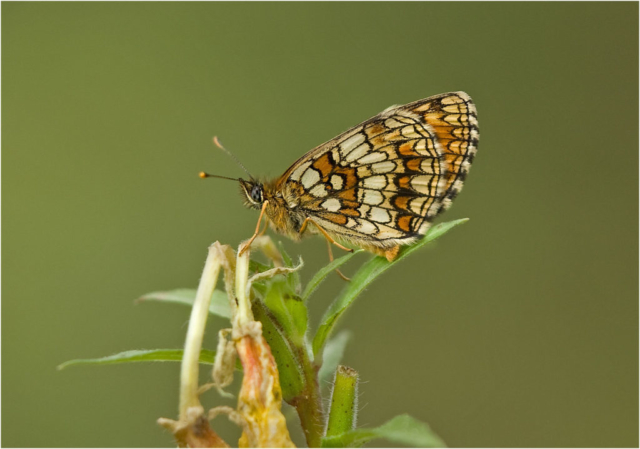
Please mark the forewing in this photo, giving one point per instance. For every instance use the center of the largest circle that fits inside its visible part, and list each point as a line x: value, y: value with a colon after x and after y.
x: 385, y: 179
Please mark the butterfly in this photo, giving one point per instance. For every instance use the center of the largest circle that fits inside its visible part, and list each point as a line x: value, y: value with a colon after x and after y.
x: 377, y: 186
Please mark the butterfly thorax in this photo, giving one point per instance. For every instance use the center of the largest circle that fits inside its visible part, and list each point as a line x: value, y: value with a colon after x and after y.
x: 284, y: 215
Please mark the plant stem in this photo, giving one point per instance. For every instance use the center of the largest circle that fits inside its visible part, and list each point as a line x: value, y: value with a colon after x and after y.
x: 195, y: 333
x: 309, y: 407
x: 243, y: 314
x: 344, y: 402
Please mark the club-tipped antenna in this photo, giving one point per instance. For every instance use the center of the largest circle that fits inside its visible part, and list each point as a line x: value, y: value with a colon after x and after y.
x: 217, y: 143
x: 204, y: 175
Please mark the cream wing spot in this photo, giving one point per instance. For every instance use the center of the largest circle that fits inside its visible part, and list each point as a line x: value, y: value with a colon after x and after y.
x: 337, y: 182
x: 428, y: 166
x: 410, y: 132
x: 370, y: 158
x: 351, y: 143
x: 416, y: 205
x: 392, y: 123
x: 295, y: 176
x: 375, y: 182
x: 336, y: 155
x: 455, y: 98
x: 455, y: 119
x: 379, y: 215
x: 383, y: 167
x: 460, y: 108
x: 405, y: 120
x: 358, y: 152
x: 319, y: 191
x: 373, y: 197
x: 332, y: 205
x: 422, y: 184
x: 366, y: 227
x: 310, y: 178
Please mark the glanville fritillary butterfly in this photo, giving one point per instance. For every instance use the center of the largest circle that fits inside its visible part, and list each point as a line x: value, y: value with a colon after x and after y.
x: 377, y: 186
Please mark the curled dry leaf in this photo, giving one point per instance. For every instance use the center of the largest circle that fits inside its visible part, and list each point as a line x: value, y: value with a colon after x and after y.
x: 260, y: 399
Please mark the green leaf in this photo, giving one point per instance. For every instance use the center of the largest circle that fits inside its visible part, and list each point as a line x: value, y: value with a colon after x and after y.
x: 402, y: 429
x: 259, y: 288
x: 291, y: 372
x: 332, y: 355
x: 367, y: 274
x: 151, y: 355
x: 288, y: 309
x: 186, y: 296
x: 324, y: 272
x: 258, y: 267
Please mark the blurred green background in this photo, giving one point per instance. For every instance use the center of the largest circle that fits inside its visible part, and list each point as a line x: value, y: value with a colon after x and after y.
x: 519, y: 328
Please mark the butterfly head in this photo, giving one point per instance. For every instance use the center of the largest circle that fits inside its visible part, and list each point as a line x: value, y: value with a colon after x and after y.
x: 253, y: 192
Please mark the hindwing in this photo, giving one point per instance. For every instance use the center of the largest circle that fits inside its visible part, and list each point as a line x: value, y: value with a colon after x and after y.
x: 385, y: 180
x: 454, y: 119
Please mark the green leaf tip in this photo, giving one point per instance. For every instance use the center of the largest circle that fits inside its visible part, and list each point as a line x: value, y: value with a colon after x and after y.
x: 314, y: 283
x: 366, y: 275
x: 141, y: 355
x: 186, y: 296
x: 402, y: 429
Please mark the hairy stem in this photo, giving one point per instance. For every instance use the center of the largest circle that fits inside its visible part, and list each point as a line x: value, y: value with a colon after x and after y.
x: 309, y: 407
x: 344, y: 402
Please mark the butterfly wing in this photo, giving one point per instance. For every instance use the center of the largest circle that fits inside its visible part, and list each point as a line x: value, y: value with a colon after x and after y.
x: 383, y: 181
x: 454, y: 119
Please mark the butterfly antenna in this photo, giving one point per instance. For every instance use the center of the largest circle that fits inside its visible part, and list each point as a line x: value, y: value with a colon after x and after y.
x: 204, y: 175
x: 217, y: 143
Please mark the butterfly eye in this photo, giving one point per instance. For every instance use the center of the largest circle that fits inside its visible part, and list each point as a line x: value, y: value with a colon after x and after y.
x: 256, y: 193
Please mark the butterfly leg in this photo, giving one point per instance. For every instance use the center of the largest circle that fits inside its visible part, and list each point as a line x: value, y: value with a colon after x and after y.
x: 266, y: 225
x: 255, y: 234
x: 331, y: 260
x: 326, y: 235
